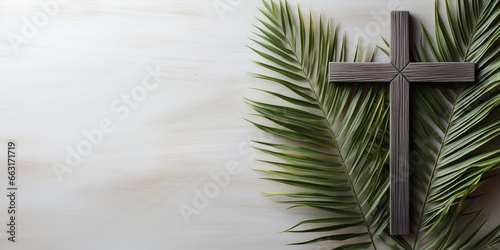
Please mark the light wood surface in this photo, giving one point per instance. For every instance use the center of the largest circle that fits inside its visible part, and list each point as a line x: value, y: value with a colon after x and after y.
x: 126, y: 193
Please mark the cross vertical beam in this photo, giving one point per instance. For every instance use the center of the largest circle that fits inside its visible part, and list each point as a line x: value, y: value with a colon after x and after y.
x: 400, y: 39
x: 399, y: 126
x: 399, y: 155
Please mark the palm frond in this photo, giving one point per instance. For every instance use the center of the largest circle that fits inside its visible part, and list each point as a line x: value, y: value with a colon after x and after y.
x: 450, y: 124
x: 337, y: 133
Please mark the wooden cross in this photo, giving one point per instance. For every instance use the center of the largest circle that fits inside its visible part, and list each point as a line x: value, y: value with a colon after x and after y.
x: 400, y: 72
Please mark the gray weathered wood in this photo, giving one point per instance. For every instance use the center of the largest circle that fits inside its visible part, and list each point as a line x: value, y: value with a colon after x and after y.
x: 399, y: 120
x: 439, y: 72
x: 400, y: 73
x: 399, y: 155
x: 400, y: 39
x: 362, y: 72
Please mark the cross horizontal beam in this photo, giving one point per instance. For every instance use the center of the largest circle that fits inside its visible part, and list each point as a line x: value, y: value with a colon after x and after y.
x: 439, y: 72
x: 452, y: 72
x: 362, y: 72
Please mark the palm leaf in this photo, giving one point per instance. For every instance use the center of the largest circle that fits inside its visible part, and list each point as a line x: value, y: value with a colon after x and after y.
x: 335, y: 153
x: 450, y: 124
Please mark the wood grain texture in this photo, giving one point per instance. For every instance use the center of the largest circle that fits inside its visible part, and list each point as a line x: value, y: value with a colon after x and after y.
x: 362, y: 72
x: 400, y: 51
x: 439, y: 72
x: 399, y: 126
x: 399, y: 155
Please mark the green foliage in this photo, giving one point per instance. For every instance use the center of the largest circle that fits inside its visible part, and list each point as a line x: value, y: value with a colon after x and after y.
x: 336, y: 135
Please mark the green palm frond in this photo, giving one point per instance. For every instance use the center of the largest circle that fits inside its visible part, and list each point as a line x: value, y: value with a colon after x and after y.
x: 336, y: 135
x: 336, y: 153
x: 451, y: 124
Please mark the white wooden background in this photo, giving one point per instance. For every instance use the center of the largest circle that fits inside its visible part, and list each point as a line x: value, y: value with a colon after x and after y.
x: 72, y: 70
